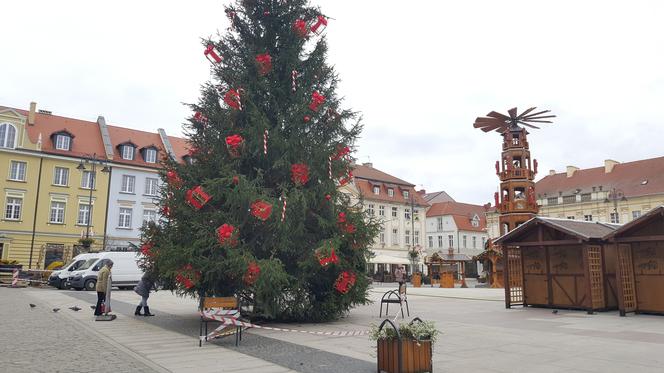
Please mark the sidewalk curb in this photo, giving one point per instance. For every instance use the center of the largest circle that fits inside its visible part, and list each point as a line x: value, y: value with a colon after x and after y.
x: 446, y: 296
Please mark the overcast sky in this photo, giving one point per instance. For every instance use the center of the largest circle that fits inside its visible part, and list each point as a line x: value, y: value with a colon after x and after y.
x: 419, y: 71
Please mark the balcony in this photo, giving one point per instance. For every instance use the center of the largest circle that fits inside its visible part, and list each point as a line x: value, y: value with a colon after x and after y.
x: 520, y: 205
x: 517, y: 173
x: 515, y: 143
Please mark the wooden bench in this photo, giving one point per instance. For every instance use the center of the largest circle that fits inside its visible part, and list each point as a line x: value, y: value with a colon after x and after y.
x: 223, y: 306
x: 394, y: 296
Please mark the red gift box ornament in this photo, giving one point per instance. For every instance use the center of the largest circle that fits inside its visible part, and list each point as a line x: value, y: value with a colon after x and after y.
x: 319, y: 26
x: 299, y: 173
x: 211, y: 54
x: 253, y: 271
x: 300, y: 28
x: 197, y: 197
x: 344, y: 282
x: 261, y: 210
x: 264, y: 62
x: 234, y: 143
x: 227, y: 235
x: 326, y: 260
x: 232, y: 99
x: 316, y: 100
x: 173, y: 179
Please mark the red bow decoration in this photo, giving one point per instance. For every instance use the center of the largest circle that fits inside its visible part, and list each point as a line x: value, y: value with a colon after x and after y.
x: 345, y: 180
x: 325, y: 260
x: 341, y: 152
x: 197, y: 197
x: 232, y: 99
x: 187, y: 276
x: 234, y: 144
x: 173, y: 179
x: 264, y: 62
x: 300, y: 28
x: 319, y: 26
x: 261, y: 210
x: 299, y: 173
x: 199, y: 117
x: 350, y: 228
x: 211, y: 54
x: 146, y: 249
x: 253, y: 270
x: 227, y: 235
x: 344, y: 282
x: 316, y: 100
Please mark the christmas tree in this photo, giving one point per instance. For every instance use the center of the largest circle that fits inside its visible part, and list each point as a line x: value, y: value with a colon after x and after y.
x: 256, y: 210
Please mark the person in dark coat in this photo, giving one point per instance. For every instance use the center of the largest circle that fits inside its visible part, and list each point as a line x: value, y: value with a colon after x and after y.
x: 143, y: 289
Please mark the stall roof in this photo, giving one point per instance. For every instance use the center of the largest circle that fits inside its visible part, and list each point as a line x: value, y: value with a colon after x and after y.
x: 643, y: 219
x: 456, y: 257
x: 583, y: 230
x: 388, y: 259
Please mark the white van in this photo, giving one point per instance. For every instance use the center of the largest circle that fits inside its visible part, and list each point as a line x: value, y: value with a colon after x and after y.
x: 125, y: 273
x: 59, y: 278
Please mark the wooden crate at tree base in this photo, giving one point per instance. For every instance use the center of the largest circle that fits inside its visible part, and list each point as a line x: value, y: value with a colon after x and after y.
x: 417, y: 280
x: 416, y: 356
x: 447, y: 280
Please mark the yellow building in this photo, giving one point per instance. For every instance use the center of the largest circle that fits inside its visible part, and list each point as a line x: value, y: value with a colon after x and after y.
x: 52, y: 167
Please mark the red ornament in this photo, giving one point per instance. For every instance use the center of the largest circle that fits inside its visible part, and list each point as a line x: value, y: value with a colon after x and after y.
x: 344, y: 282
x: 300, y: 28
x: 173, y: 179
x: 341, y: 152
x: 350, y: 228
x: 342, y: 218
x: 346, y: 179
x: 146, y: 249
x: 264, y: 62
x: 236, y: 180
x: 319, y: 26
x: 299, y: 173
x: 232, y: 99
x: 328, y: 197
x: 266, y: 13
x: 197, y: 197
x: 166, y: 211
x: 234, y: 143
x: 261, y: 210
x: 316, y: 100
x: 307, y: 119
x: 187, y: 277
x: 325, y: 260
x: 227, y: 235
x: 199, y: 117
x: 193, y: 151
x: 211, y: 54
x: 253, y: 270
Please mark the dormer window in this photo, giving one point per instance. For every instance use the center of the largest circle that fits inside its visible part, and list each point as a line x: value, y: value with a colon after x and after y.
x: 475, y: 221
x: 390, y: 192
x: 150, y: 155
x: 127, y: 151
x: 405, y: 194
x: 376, y: 190
x: 62, y: 141
x: 7, y: 136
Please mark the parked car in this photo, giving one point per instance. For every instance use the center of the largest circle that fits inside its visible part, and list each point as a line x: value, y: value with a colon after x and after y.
x: 59, y: 277
x: 125, y: 274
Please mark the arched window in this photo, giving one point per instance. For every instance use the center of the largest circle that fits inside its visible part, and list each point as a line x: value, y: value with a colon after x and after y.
x: 7, y: 135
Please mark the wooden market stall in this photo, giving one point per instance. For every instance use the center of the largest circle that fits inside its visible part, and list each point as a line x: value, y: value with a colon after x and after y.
x: 492, y: 261
x: 640, y: 249
x: 444, y: 268
x: 560, y: 263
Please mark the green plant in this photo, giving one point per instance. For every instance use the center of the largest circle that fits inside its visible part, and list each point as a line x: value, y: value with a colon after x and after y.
x: 86, y: 241
x: 8, y: 262
x: 417, y: 330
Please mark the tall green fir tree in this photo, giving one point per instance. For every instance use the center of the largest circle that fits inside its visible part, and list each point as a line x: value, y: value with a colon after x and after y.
x: 256, y: 210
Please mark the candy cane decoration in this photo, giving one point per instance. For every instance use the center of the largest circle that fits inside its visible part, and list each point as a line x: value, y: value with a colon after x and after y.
x: 329, y: 166
x: 294, y: 79
x: 283, y: 210
x: 265, y: 141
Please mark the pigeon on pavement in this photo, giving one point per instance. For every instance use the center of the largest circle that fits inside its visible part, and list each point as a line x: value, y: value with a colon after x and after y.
x: 75, y: 308
x: 93, y: 307
x: 56, y: 309
x: 33, y: 305
x: 554, y: 312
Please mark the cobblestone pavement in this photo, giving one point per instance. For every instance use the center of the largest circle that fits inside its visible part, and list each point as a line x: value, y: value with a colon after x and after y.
x: 40, y: 340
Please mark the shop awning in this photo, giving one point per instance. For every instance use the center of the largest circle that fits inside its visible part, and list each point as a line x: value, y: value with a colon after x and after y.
x: 388, y: 259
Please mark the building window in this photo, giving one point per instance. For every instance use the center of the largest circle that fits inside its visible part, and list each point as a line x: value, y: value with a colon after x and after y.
x: 370, y: 209
x: 83, y: 214
x: 382, y: 237
x: 571, y: 217
x: 483, y: 241
x: 395, y: 236
x: 151, y: 186
x: 552, y: 200
x: 587, y: 218
x: 381, y: 210
x: 62, y: 142
x: 125, y: 218
x: 17, y: 171
x: 440, y: 223
x: 474, y: 242
x: 430, y: 241
x: 128, y: 183
x: 149, y: 216
x: 57, y: 212
x: 585, y: 197
x: 61, y: 176
x: 151, y: 155
x: 636, y: 214
x: 394, y: 212
x: 88, y: 180
x: 450, y: 240
x: 440, y: 241
x: 390, y: 192
x: 405, y: 194
x: 614, y: 218
x: 475, y: 222
x: 416, y: 240
x: 7, y: 135
x: 465, y: 242
x: 416, y: 214
x: 569, y: 199
x: 376, y: 190
x: 406, y: 214
x: 128, y: 152
x: 407, y: 237
x: 13, y: 208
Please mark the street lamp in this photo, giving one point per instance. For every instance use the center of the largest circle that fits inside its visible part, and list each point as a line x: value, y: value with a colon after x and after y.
x: 615, y: 195
x: 92, y: 182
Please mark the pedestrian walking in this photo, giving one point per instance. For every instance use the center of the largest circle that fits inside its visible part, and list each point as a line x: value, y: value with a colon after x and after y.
x: 104, y: 288
x: 143, y: 288
x: 399, y: 274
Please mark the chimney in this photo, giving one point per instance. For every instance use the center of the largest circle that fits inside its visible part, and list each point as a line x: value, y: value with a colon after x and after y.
x: 368, y: 164
x: 609, y: 164
x: 571, y: 170
x: 422, y: 192
x: 31, y: 114
x: 552, y: 172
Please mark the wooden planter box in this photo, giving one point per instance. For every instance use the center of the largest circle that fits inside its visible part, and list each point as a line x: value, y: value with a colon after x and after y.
x: 417, y: 280
x: 415, y: 357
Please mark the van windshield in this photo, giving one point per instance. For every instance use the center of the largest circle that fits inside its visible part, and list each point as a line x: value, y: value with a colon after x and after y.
x: 74, y: 264
x: 88, y: 263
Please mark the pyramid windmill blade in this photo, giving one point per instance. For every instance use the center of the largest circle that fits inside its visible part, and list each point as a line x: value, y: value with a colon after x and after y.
x: 539, y: 117
x: 512, y: 113
x: 538, y: 113
x: 529, y: 125
x: 493, y: 127
x: 537, y: 121
x: 497, y: 115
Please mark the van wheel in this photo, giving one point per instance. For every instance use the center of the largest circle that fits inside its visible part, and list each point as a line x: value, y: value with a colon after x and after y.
x: 63, y: 284
x: 90, y: 285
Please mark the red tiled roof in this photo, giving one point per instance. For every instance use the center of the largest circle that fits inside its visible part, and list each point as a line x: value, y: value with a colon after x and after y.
x: 370, y: 173
x: 180, y: 147
x: 638, y: 178
x: 462, y: 213
x: 141, y: 139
